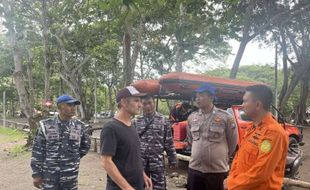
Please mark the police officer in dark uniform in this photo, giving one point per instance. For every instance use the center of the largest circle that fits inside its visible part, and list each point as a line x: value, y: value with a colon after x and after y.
x: 155, y: 137
x: 59, y: 145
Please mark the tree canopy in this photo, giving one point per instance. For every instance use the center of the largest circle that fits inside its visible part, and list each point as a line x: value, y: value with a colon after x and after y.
x: 90, y: 49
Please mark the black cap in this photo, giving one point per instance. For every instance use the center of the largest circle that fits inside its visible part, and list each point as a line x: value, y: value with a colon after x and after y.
x: 128, y: 91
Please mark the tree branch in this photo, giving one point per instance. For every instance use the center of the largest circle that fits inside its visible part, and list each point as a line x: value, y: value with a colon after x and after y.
x: 294, y: 45
x: 62, y: 51
x: 297, y: 10
x: 137, y: 46
x: 294, y: 65
x: 85, y: 60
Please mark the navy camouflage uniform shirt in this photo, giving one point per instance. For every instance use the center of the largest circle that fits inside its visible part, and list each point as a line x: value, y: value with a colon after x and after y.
x: 58, y: 148
x: 155, y: 140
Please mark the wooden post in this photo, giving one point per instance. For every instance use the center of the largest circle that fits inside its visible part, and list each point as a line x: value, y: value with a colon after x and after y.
x: 4, y: 110
x: 95, y: 144
x: 296, y: 183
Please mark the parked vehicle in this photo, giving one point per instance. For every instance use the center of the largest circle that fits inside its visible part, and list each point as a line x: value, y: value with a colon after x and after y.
x: 242, y: 122
x: 295, y: 135
x: 229, y: 93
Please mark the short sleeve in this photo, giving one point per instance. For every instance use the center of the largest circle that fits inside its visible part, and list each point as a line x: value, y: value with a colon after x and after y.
x: 108, y: 141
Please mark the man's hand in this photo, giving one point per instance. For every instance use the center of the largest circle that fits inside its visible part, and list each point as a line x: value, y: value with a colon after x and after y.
x: 173, y: 166
x: 147, y: 182
x: 37, y: 182
x: 225, y: 184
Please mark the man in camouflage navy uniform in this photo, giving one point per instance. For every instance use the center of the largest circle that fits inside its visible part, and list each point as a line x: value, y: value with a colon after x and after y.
x: 213, y: 136
x: 59, y: 145
x: 155, y: 136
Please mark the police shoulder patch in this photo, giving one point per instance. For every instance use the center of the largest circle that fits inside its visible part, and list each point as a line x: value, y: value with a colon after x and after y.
x: 217, y: 119
x: 265, y: 146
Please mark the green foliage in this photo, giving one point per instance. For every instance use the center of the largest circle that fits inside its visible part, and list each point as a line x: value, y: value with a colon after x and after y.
x: 17, y: 150
x: 11, y: 135
x: 95, y: 28
x: 195, y: 31
x: 261, y: 73
x: 163, y: 107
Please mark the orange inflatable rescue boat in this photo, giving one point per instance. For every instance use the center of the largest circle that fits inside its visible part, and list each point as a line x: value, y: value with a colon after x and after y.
x: 183, y: 86
x: 148, y: 86
x: 186, y: 83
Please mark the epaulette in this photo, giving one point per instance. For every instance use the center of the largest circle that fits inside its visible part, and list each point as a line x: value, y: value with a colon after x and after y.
x: 51, y: 119
x: 193, y: 113
x: 138, y: 117
x: 79, y: 121
x: 159, y: 114
x: 223, y: 111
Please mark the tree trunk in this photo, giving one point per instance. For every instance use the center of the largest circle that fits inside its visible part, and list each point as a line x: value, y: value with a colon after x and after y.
x: 23, y: 96
x: 17, y: 75
x: 294, y: 81
x: 141, y: 67
x: 300, y: 116
x: 47, y: 63
x: 137, y: 48
x: 235, y: 67
x: 179, y: 58
x: 179, y: 37
x: 105, y: 99
x: 111, y: 102
x: 61, y: 89
x: 30, y: 77
x: 127, y: 67
x: 244, y: 40
x: 285, y: 70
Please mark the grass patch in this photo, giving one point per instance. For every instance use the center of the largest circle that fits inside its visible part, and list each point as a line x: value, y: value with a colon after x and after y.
x: 11, y: 135
x: 17, y: 150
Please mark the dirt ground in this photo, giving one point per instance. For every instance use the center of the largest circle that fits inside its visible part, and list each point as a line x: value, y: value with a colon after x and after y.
x: 15, y: 172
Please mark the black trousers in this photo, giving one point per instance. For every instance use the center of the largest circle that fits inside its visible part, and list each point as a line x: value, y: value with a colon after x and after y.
x: 197, y: 180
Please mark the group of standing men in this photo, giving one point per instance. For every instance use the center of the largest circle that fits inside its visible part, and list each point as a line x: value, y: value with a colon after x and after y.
x: 132, y: 149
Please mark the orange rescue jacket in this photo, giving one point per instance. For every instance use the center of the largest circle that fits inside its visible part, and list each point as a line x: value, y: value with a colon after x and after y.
x: 260, y: 161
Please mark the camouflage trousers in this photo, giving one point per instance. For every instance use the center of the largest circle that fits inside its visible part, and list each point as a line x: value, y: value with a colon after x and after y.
x: 157, y: 176
x: 62, y: 183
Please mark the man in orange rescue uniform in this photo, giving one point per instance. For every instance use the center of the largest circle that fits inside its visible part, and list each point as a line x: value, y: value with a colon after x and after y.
x: 260, y: 162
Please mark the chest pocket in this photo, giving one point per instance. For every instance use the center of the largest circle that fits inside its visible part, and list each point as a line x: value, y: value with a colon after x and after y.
x: 216, y: 133
x: 195, y: 132
x: 250, y: 153
x: 51, y: 133
x: 75, y: 133
x: 74, y: 138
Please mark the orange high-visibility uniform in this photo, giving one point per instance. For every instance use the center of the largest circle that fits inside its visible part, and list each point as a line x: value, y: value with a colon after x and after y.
x: 260, y: 162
